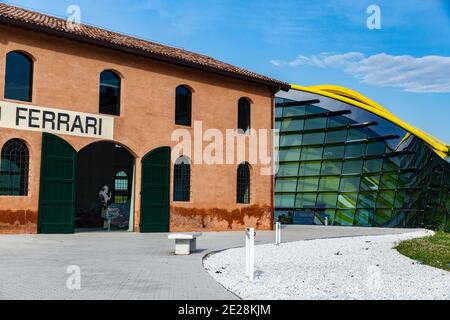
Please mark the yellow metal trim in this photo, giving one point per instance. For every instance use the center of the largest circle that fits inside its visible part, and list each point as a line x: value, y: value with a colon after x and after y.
x: 358, y: 100
x: 348, y: 93
x: 406, y: 137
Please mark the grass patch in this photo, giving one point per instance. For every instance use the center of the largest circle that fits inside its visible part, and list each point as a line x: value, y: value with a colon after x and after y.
x: 433, y: 251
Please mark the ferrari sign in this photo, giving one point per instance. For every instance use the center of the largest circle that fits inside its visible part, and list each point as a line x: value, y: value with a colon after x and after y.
x: 33, y: 118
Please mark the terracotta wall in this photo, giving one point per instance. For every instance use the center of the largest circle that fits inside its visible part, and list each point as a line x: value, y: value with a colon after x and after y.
x: 66, y: 76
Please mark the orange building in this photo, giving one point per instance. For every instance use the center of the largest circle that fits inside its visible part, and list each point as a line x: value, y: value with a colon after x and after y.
x: 86, y: 132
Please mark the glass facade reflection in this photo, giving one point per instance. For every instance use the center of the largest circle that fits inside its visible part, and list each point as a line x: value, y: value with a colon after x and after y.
x: 349, y: 165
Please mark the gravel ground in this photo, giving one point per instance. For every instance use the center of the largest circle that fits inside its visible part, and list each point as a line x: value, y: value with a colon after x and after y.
x: 337, y: 269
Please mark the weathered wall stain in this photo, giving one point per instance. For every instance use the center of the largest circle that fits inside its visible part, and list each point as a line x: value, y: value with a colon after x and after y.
x: 22, y: 221
x: 215, y: 219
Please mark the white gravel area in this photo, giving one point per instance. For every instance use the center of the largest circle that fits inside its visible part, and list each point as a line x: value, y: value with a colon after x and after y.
x: 337, y: 269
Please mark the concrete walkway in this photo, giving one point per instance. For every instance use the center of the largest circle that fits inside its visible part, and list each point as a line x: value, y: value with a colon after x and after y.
x: 129, y: 265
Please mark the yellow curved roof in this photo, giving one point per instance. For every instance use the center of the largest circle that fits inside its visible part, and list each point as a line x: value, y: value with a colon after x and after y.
x: 358, y: 100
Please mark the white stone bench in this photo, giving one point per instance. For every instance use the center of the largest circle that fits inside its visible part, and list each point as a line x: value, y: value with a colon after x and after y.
x: 185, y: 243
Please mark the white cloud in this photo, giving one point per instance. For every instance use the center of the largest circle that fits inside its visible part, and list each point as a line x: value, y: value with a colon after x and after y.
x: 276, y: 63
x: 412, y: 74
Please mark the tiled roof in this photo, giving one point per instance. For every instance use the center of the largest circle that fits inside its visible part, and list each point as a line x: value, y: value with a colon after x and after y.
x: 89, y: 34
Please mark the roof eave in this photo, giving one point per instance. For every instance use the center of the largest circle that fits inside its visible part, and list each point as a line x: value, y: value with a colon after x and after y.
x: 275, y: 86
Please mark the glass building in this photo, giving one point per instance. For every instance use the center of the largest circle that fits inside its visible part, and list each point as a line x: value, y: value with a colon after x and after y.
x: 349, y: 161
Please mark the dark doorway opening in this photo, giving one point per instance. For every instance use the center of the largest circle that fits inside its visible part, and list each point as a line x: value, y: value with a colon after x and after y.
x: 105, y: 180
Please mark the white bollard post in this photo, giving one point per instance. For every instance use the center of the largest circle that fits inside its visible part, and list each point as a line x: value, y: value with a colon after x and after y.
x: 278, y: 233
x: 326, y: 221
x: 250, y: 253
x: 247, y: 253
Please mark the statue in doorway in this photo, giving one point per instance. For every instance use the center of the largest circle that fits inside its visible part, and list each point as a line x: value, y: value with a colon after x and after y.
x: 105, y: 196
x: 109, y: 211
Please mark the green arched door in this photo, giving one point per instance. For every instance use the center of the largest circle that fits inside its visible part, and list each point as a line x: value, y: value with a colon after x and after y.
x: 57, y: 186
x: 155, y: 191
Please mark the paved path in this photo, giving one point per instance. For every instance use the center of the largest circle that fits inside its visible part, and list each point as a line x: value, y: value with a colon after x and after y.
x: 129, y: 265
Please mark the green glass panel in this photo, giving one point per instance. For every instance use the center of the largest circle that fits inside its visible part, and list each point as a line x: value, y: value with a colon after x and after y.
x: 286, y: 185
x: 373, y: 165
x: 364, y: 217
x: 331, y: 168
x: 294, y: 111
x: 315, y: 123
x: 278, y: 125
x: 334, y: 152
x: 370, y: 183
x: 278, y: 112
x: 367, y: 200
x: 336, y: 136
x: 331, y: 213
x: 313, y: 138
x: 386, y: 199
x: 389, y: 181
x: 344, y: 217
x: 355, y: 150
x: 309, y: 168
x: 312, y: 153
x: 389, y: 165
x: 292, y: 125
x: 311, y: 109
x: 307, y: 184
x: 352, y: 167
x: 327, y: 200
x: 290, y: 154
x: 407, y: 179
x: 291, y: 140
x: 347, y: 200
x: 329, y: 184
x: 382, y: 217
x: 396, y: 161
x: 288, y: 170
x: 376, y: 148
x: 284, y: 201
x: 401, y: 198
x: 356, y: 134
x: 284, y: 216
x: 337, y: 121
x: 305, y: 200
x: 350, y: 184
x: 397, y: 219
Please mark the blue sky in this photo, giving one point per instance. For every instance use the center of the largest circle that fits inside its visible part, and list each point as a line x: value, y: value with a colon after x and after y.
x: 404, y: 66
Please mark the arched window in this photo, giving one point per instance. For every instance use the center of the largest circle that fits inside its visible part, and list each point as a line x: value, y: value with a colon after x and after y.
x: 19, y: 77
x: 14, y: 169
x: 244, y: 115
x: 182, y: 180
x: 121, y: 189
x: 109, y: 93
x: 243, y: 184
x: 183, y: 106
